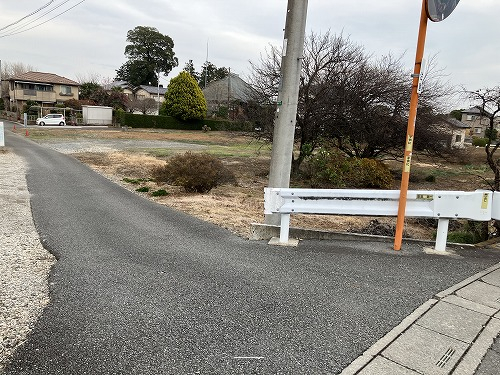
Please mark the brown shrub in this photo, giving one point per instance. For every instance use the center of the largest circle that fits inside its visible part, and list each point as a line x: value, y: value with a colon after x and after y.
x: 194, y: 172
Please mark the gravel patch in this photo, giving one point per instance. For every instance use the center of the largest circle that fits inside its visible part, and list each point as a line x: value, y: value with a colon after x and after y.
x: 24, y: 263
x: 98, y: 145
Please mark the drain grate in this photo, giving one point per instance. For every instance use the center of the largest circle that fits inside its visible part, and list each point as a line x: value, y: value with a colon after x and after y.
x: 445, y: 358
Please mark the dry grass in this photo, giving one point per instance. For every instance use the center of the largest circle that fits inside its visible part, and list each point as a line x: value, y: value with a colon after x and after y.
x: 236, y: 207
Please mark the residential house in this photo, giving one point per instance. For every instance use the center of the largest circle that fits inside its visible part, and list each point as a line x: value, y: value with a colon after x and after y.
x: 457, y: 132
x: 229, y: 92
x: 47, y: 89
x: 478, y: 120
x: 154, y: 92
x: 157, y: 93
x: 123, y: 86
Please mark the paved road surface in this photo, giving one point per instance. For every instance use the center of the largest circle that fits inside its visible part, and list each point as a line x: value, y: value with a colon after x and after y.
x: 143, y: 289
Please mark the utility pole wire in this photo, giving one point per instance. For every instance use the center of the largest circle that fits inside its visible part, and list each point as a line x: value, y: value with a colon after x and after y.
x: 41, y: 23
x: 28, y: 22
x: 29, y: 15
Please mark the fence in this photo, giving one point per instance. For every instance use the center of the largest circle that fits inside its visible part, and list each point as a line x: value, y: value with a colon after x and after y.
x: 441, y: 205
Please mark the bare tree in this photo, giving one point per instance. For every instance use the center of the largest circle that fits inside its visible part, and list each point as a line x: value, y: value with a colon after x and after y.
x: 350, y: 100
x: 488, y: 102
x: 9, y: 70
x: 145, y: 106
x: 14, y: 69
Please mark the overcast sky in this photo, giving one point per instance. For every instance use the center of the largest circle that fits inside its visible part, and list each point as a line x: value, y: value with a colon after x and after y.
x: 90, y: 38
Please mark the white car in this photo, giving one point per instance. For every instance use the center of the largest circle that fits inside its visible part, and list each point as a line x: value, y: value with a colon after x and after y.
x: 51, y: 119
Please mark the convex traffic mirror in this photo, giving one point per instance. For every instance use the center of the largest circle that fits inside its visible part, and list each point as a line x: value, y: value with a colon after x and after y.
x: 438, y: 10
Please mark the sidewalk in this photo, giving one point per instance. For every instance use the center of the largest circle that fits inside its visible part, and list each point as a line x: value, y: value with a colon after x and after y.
x: 451, y: 333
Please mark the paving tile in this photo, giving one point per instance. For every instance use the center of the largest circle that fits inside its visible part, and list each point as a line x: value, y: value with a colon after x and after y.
x: 454, y: 321
x: 426, y: 351
x: 470, y: 305
x: 492, y: 278
x: 481, y: 292
x: 383, y: 366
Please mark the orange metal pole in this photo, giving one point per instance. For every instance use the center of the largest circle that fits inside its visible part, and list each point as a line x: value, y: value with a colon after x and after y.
x: 410, y: 132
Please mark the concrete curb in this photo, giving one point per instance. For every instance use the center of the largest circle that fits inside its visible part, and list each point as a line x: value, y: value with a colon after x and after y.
x: 267, y: 232
x: 459, y: 298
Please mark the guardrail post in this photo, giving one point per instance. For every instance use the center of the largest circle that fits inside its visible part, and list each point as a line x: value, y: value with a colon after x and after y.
x: 442, y: 234
x: 284, y: 228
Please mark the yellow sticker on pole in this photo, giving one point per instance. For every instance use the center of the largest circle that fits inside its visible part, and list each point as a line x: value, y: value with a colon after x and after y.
x: 484, y: 202
x: 407, y: 163
x: 409, y: 143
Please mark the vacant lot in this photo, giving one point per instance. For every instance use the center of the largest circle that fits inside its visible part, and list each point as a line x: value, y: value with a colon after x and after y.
x: 127, y: 158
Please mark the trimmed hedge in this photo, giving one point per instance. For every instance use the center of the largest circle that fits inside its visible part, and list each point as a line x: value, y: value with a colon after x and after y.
x: 167, y: 122
x: 480, y: 142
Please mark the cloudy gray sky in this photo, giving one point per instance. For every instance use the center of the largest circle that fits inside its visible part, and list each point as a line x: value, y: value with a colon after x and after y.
x: 90, y: 38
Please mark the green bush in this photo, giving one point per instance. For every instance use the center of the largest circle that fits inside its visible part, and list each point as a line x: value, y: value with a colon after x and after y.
x: 480, y: 142
x: 184, y: 99
x: 330, y: 169
x: 461, y: 237
x: 471, y: 232
x: 494, y: 134
x: 194, y: 172
x: 143, y: 189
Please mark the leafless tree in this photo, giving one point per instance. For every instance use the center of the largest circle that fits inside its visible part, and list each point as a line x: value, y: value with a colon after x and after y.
x: 15, y: 68
x: 350, y: 100
x: 145, y: 106
x: 90, y: 77
x: 12, y: 69
x: 488, y: 102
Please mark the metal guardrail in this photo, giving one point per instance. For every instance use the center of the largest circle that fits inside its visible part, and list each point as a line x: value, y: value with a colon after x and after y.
x: 441, y: 205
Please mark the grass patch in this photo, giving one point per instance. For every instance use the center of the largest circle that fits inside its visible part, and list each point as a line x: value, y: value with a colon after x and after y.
x: 160, y: 193
x: 135, y: 181
x: 158, y: 152
x: 462, y: 237
x: 143, y: 189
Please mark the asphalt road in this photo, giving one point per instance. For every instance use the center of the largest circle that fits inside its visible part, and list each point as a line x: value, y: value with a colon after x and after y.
x: 139, y: 288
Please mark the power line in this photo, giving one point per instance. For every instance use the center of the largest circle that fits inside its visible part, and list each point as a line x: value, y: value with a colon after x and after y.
x: 41, y: 23
x: 29, y: 15
x: 21, y: 26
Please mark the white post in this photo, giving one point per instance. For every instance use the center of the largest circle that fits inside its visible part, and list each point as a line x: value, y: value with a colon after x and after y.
x: 2, y: 136
x: 284, y: 228
x: 442, y: 234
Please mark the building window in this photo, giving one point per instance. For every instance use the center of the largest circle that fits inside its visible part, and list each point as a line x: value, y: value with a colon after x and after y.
x: 458, y: 138
x: 478, y: 130
x: 66, y: 90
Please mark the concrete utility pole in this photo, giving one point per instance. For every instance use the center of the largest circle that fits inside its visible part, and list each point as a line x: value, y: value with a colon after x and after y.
x: 288, y: 94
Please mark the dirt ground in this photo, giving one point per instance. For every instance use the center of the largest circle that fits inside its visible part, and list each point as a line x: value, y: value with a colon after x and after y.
x: 235, y: 207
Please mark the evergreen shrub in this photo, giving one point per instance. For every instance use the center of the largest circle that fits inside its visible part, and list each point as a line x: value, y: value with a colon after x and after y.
x: 330, y: 169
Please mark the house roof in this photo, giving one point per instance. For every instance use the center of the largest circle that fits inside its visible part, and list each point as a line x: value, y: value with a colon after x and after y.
x: 153, y: 90
x: 457, y: 124
x: 218, y: 90
x: 39, y: 77
x: 120, y: 84
x: 476, y: 111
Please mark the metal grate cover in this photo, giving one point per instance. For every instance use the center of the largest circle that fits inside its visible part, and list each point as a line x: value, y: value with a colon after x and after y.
x: 445, y: 358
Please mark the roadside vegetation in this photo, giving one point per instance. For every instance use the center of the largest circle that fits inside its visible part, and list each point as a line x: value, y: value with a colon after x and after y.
x: 238, y: 202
